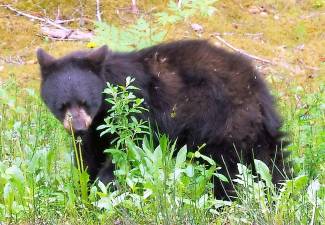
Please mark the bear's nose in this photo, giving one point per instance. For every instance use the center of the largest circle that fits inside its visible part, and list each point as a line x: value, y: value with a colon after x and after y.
x: 76, y: 119
x: 79, y: 124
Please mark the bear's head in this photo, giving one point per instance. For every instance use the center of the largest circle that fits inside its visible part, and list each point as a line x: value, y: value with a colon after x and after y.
x: 72, y: 86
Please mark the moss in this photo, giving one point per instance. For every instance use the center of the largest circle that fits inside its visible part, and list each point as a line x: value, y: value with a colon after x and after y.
x: 286, y: 26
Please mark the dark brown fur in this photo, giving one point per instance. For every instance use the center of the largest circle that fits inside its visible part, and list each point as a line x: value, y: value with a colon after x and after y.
x: 195, y: 92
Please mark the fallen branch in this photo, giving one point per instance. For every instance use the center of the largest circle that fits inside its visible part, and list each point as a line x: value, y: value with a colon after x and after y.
x: 44, y: 20
x: 57, y: 39
x: 57, y: 32
x: 242, y: 51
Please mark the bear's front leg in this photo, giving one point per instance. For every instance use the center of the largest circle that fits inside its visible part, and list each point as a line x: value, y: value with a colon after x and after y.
x: 94, y: 159
x: 105, y: 174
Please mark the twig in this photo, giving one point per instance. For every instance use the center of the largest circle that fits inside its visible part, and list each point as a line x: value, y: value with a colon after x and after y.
x: 119, y: 15
x: 273, y: 62
x: 253, y: 34
x: 81, y: 21
x: 57, y: 39
x: 59, y: 21
x: 98, y: 13
x: 242, y: 51
x: 12, y: 60
x: 58, y: 14
x: 311, y: 15
x: 134, y: 8
x: 311, y: 67
x: 73, y: 20
x: 45, y: 20
x: 179, y: 4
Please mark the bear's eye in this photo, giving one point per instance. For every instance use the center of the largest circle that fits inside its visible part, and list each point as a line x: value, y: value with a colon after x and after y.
x: 83, y: 104
x: 63, y: 106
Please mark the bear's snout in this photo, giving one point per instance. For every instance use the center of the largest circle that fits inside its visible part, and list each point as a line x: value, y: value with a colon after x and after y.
x: 76, y: 119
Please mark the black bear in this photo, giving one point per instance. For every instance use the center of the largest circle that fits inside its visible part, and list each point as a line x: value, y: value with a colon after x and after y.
x: 194, y: 91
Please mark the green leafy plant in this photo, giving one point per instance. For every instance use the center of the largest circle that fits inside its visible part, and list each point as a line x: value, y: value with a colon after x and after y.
x: 124, y: 106
x: 136, y: 36
x: 150, y: 173
x: 176, y: 13
x: 142, y: 34
x: 277, y: 206
x: 318, y: 4
x: 306, y: 121
x: 300, y: 32
x: 29, y: 149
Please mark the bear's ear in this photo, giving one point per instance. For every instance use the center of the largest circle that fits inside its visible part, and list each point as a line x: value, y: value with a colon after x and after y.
x: 98, y: 56
x: 43, y: 58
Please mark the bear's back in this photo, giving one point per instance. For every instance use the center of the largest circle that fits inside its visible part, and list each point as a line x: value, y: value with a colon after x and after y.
x: 204, y: 93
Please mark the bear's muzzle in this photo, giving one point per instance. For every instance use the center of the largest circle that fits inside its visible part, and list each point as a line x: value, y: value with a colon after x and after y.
x: 76, y: 119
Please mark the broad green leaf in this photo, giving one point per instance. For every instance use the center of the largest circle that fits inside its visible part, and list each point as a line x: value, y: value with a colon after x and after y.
x: 157, y: 156
x: 208, y: 159
x: 312, y: 190
x: 146, y: 148
x: 102, y: 187
x: 297, y: 184
x: 264, y: 172
x: 221, y: 177
x: 189, y: 171
x: 16, y: 173
x: 133, y: 151
x: 181, y: 157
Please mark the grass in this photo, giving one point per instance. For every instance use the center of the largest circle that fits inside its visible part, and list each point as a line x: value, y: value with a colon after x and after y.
x: 40, y: 185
